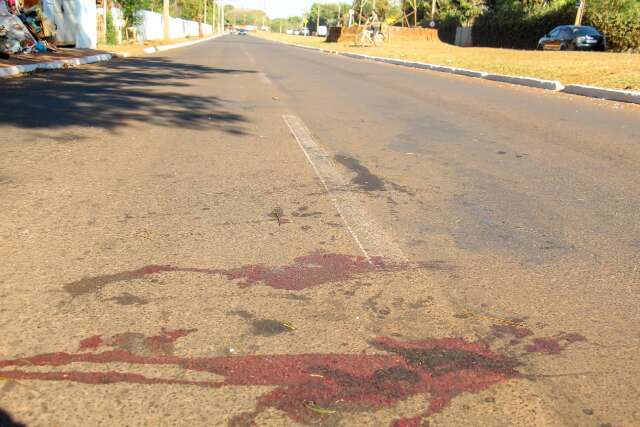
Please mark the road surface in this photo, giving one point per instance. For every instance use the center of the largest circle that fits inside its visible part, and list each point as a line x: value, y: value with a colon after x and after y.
x: 246, y: 233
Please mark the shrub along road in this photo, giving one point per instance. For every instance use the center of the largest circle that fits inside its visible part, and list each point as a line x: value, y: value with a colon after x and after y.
x: 244, y: 232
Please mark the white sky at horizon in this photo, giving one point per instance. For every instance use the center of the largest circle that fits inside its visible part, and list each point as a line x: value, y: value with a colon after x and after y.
x: 278, y: 8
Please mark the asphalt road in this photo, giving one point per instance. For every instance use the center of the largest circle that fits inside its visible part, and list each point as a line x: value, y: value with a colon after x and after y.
x: 246, y: 233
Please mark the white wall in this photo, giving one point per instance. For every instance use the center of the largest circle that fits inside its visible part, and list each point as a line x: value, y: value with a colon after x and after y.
x: 75, y: 21
x: 151, y: 28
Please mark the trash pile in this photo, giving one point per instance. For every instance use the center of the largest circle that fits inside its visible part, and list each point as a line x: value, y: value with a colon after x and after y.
x: 24, y: 29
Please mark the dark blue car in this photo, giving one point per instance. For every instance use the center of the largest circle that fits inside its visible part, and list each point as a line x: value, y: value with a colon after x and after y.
x: 571, y: 37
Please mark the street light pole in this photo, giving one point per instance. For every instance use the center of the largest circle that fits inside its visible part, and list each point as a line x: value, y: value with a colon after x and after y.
x: 580, y: 14
x: 165, y: 19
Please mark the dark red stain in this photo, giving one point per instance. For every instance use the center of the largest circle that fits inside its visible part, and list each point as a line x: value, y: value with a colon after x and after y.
x: 408, y: 422
x: 304, y: 272
x: 513, y: 330
x: 308, y: 387
x: 555, y: 344
x: 91, y: 343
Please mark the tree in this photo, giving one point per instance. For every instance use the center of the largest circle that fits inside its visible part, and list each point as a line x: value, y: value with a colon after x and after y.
x: 130, y: 9
x: 329, y: 13
x: 364, y: 8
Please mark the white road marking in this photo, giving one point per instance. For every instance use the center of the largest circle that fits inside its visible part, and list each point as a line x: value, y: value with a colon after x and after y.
x: 263, y: 78
x: 372, y: 239
x: 261, y: 74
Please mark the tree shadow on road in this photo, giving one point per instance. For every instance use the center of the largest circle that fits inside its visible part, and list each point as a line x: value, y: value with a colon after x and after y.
x: 113, y: 95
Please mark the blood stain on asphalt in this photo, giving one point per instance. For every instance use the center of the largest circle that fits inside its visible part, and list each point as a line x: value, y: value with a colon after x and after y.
x: 308, y: 387
x: 304, y: 272
x: 554, y: 344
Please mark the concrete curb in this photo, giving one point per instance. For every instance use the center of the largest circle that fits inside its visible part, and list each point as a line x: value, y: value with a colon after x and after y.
x: 603, y: 93
x: 161, y: 48
x: 526, y: 81
x: 552, y: 85
x: 53, y: 65
x: 62, y: 63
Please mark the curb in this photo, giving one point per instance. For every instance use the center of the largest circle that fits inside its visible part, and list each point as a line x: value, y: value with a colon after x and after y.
x: 53, y: 65
x: 62, y: 63
x: 603, y: 93
x: 552, y: 85
x: 161, y: 48
x: 526, y: 81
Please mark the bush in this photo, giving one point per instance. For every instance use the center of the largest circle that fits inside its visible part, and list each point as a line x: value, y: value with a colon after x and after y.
x: 618, y: 20
x: 447, y: 29
x: 521, y: 28
x: 519, y: 24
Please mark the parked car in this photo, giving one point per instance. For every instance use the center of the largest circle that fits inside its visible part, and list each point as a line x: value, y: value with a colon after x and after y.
x: 304, y: 32
x: 571, y: 37
x: 296, y: 32
x: 290, y: 32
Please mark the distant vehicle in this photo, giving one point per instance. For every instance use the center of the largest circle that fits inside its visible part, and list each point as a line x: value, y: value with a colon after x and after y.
x: 322, y: 31
x: 304, y: 32
x: 290, y: 32
x: 242, y: 32
x: 571, y: 37
x: 296, y: 32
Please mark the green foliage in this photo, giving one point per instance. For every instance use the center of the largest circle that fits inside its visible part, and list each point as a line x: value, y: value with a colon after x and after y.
x: 130, y: 10
x: 111, y: 29
x: 234, y: 16
x: 619, y: 21
x: 464, y: 11
x: 328, y: 13
x: 186, y: 9
x: 519, y: 25
x: 383, y: 7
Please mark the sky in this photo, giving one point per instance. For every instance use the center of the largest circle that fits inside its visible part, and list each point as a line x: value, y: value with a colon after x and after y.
x: 277, y: 8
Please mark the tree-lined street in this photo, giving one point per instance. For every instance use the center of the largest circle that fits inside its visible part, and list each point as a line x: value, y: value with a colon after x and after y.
x: 247, y: 233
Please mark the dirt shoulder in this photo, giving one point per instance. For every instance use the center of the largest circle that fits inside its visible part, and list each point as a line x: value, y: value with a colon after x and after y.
x: 604, y: 69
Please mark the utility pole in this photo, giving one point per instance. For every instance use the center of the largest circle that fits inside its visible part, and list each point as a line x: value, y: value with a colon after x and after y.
x: 318, y: 20
x: 214, y: 22
x: 433, y: 10
x: 205, y: 12
x: 581, y: 10
x: 339, y: 14
x: 165, y: 19
x: 415, y: 13
x: 222, y: 18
